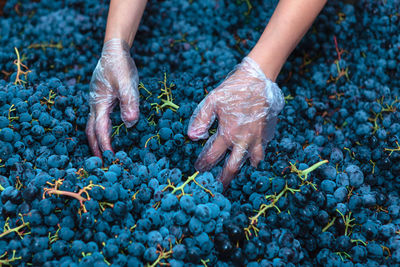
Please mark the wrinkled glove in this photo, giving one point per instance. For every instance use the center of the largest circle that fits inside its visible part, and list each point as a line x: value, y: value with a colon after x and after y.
x: 114, y: 78
x: 246, y: 105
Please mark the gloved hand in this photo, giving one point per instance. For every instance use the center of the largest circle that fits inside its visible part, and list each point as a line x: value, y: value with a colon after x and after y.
x: 114, y: 78
x: 246, y: 105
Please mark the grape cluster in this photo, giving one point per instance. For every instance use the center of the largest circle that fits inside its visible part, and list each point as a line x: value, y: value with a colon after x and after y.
x: 325, y: 195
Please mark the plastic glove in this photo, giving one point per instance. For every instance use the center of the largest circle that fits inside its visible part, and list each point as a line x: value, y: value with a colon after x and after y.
x: 246, y: 105
x: 114, y: 78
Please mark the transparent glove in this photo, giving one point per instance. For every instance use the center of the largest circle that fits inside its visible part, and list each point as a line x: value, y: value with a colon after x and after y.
x: 246, y: 105
x: 114, y: 78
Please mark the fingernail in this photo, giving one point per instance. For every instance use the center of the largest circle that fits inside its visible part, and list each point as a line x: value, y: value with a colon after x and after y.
x: 197, y: 134
x: 130, y: 118
x: 129, y: 124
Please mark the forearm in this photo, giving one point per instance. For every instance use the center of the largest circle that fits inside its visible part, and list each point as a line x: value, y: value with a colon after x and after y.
x: 124, y: 19
x: 287, y: 26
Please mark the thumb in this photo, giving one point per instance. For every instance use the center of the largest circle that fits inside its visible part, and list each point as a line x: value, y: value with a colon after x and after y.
x: 202, y: 118
x: 129, y: 103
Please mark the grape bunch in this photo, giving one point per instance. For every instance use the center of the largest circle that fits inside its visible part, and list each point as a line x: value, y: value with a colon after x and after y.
x: 327, y: 193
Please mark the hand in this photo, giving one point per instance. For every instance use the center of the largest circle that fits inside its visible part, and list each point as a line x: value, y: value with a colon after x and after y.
x: 115, y: 77
x: 246, y: 105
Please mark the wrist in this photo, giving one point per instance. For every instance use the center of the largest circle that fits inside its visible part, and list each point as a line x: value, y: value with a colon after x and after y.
x: 116, y: 47
x: 269, y: 63
x: 115, y: 34
x: 123, y: 19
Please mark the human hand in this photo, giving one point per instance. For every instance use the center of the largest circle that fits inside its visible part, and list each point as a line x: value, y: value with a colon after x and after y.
x: 114, y: 78
x: 246, y: 105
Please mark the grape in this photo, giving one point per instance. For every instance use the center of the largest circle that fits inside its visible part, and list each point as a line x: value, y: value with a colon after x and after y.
x: 370, y: 230
x: 181, y: 218
x: 92, y: 163
x: 203, y: 213
x: 110, y: 194
x: 121, y: 209
x: 66, y: 234
x: 179, y: 252
x: 150, y: 254
x: 223, y: 245
x: 187, y: 204
x: 154, y: 238
x: 204, y: 242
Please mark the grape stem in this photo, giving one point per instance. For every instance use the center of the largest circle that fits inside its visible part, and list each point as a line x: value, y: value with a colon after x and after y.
x: 329, y: 224
x: 166, y: 92
x: 141, y: 86
x: 18, y: 63
x: 151, y: 137
x: 8, y: 261
x: 342, y: 254
x: 117, y: 128
x: 49, y: 102
x: 162, y: 256
x: 204, y: 262
x: 393, y: 149
x: 7, y: 230
x: 303, y: 174
x: 182, y: 186
x: 358, y: 240
x: 191, y: 178
x: 46, y: 45
x: 11, y: 109
x: 385, y: 248
x: 275, y: 199
x: 78, y: 196
x: 347, y: 220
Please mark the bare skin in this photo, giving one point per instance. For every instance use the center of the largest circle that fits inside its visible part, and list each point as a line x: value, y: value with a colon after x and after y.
x: 287, y: 26
x: 115, y: 77
x: 123, y: 19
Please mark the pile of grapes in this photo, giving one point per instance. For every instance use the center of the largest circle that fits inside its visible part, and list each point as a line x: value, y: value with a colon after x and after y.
x: 327, y: 193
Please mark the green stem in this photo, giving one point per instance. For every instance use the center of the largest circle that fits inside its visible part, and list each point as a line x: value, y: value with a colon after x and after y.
x: 169, y: 103
x: 358, y: 240
x: 191, y: 178
x: 312, y: 168
x: 272, y: 204
x: 329, y: 224
x: 16, y: 229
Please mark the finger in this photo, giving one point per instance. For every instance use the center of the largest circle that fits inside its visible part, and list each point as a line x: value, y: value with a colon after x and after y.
x: 233, y: 164
x: 213, y: 151
x: 256, y: 154
x: 202, y: 118
x: 129, y: 105
x: 129, y: 97
x: 103, y: 126
x: 91, y: 135
x: 269, y: 130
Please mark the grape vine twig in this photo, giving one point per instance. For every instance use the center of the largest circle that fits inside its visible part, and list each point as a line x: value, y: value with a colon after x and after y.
x: 18, y: 63
x: 6, y: 261
x: 78, y: 195
x: 303, y: 174
x: 165, y: 97
x: 163, y: 255
x: 46, y: 45
x: 274, y: 199
x: 347, y: 220
x: 393, y: 149
x: 182, y: 186
x: 7, y: 229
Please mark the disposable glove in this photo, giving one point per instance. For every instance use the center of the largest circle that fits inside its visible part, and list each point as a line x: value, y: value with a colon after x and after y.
x: 246, y: 106
x: 114, y: 78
